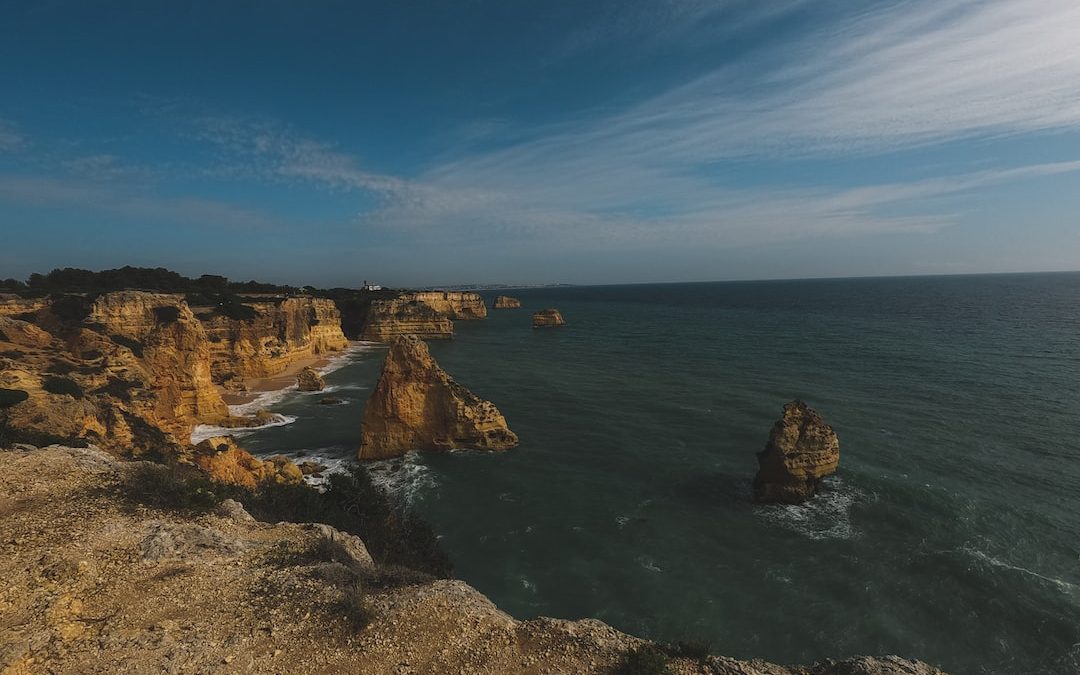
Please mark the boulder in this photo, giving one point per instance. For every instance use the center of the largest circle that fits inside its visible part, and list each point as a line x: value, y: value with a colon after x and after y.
x: 802, y: 449
x: 416, y: 405
x: 309, y: 379
x: 224, y: 461
x: 506, y: 302
x: 547, y: 318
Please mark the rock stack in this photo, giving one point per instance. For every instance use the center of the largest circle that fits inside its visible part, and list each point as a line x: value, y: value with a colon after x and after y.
x: 416, y: 405
x: 547, y: 318
x: 309, y: 379
x: 802, y: 449
x: 506, y: 302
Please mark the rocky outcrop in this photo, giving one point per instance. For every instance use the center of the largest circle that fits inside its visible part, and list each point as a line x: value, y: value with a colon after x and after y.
x: 454, y: 304
x: 271, y: 336
x: 222, y: 460
x: 129, y: 371
x: 802, y: 449
x: 387, y: 319
x: 416, y: 405
x: 547, y: 318
x: 506, y: 302
x: 92, y: 584
x: 309, y: 379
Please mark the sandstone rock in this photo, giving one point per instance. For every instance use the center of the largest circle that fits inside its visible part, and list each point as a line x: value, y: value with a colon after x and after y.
x: 259, y: 419
x: 187, y: 540
x: 309, y: 379
x: 330, y: 400
x: 454, y: 304
x: 506, y: 302
x: 387, y: 319
x: 547, y: 318
x: 224, y: 461
x: 351, y: 549
x: 234, y: 510
x: 802, y: 449
x: 416, y: 405
x: 278, y: 333
x: 309, y: 468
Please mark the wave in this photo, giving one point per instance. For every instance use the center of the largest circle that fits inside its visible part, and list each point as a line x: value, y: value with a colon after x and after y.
x: 202, y: 432
x: 1060, y: 584
x: 826, y: 516
x: 406, y: 477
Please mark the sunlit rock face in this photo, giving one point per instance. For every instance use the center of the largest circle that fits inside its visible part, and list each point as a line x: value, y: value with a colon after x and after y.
x: 802, y: 449
x: 416, y: 405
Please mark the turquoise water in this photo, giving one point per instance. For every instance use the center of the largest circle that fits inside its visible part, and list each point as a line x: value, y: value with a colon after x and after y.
x: 951, y: 533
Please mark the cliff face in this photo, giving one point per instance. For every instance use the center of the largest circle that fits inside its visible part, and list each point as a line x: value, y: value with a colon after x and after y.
x: 454, y: 304
x: 506, y: 302
x: 387, y: 319
x: 416, y: 405
x: 802, y: 449
x: 276, y: 335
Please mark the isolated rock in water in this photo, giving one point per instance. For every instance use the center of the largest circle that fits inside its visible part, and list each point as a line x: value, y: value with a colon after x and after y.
x: 417, y: 406
x: 506, y: 302
x: 547, y: 318
x: 802, y: 449
x: 309, y: 379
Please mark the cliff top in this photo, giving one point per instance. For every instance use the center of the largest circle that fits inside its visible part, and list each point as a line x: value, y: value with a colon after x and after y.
x: 99, y: 581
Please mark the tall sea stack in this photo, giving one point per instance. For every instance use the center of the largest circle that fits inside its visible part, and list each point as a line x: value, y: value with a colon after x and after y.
x: 802, y: 450
x: 416, y: 405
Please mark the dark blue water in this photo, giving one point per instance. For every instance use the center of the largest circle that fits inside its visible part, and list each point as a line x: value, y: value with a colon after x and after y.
x: 951, y: 533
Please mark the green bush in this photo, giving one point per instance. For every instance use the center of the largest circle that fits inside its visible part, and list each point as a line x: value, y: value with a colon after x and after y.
x: 160, y: 486
x: 62, y: 385
x: 644, y: 660
x: 9, y: 397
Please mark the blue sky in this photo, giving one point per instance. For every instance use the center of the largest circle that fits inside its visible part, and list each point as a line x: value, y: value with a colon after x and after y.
x: 528, y: 142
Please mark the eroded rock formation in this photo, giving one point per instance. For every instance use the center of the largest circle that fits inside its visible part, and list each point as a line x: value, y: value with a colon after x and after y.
x: 309, y: 379
x: 387, y: 319
x: 547, y: 318
x: 222, y: 460
x: 454, y: 304
x: 802, y: 449
x: 273, y: 336
x: 506, y: 302
x: 416, y: 405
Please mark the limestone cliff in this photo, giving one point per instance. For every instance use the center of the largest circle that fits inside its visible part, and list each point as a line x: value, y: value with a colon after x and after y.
x: 416, y: 405
x: 222, y: 460
x: 454, y: 304
x: 547, y: 318
x: 387, y: 319
x: 128, y: 370
x: 802, y: 449
x: 273, y: 336
x: 506, y: 302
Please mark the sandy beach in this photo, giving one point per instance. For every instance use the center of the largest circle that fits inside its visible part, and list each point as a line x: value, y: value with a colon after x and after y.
x: 276, y: 382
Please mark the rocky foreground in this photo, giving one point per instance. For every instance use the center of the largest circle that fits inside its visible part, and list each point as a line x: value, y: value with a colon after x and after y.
x: 97, y: 582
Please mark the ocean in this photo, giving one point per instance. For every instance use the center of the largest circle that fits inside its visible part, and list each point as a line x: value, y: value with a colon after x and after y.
x: 951, y: 532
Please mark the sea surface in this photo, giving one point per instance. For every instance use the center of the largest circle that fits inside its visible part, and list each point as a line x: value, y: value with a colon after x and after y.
x: 951, y: 532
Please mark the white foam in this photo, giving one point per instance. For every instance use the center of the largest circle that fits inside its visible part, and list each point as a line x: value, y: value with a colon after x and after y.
x: 622, y: 521
x: 826, y: 516
x: 404, y: 476
x: 648, y: 563
x: 204, y: 431
x: 1063, y: 586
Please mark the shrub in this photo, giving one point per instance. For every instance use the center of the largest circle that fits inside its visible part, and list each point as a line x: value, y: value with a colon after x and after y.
x: 160, y: 486
x: 697, y: 650
x: 72, y: 307
x: 9, y: 397
x: 644, y: 660
x: 356, y: 607
x: 62, y: 385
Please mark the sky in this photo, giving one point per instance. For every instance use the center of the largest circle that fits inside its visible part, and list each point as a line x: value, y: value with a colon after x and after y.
x: 417, y: 143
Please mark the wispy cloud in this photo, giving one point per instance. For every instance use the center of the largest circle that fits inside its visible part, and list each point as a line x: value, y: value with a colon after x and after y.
x: 10, y: 137
x: 113, y: 200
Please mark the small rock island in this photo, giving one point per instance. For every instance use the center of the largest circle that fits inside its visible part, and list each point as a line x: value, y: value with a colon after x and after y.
x: 506, y: 302
x: 802, y: 449
x: 547, y: 318
x: 309, y: 379
x: 416, y: 405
